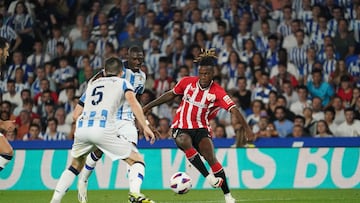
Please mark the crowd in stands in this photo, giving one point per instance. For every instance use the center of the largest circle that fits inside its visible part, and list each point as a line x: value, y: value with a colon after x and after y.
x: 292, y: 66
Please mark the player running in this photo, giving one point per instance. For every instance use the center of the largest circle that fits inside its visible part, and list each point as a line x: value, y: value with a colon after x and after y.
x: 6, y: 151
x: 201, y: 100
x: 137, y: 78
x: 97, y: 126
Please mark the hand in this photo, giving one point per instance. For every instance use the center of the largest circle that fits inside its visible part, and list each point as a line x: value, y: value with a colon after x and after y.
x: 8, y: 125
x: 250, y: 136
x: 155, y: 131
x: 149, y: 135
x: 146, y: 110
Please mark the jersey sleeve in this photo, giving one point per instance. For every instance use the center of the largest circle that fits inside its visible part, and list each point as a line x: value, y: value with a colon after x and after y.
x: 223, y: 100
x: 82, y: 99
x: 127, y: 86
x: 181, y: 85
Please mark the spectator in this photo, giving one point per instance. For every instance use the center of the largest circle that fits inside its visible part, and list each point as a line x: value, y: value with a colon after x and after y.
x: 243, y: 94
x: 338, y: 73
x: 263, y: 88
x: 303, y: 101
x: 36, y: 85
x: 38, y: 57
x: 247, y: 54
x: 103, y: 39
x: 266, y: 129
x: 289, y: 93
x: 64, y: 72
x: 319, y: 88
x: 220, y: 132
x: 350, y: 127
x: 18, y: 61
x: 344, y: 41
x: 322, y: 129
x: 256, y: 108
x: 229, y: 71
x: 164, y: 128
x: 23, y: 124
x: 283, y: 77
x: 34, y: 133
x: 92, y: 19
x: 62, y: 126
x: 53, y: 42
x: 95, y: 60
x: 337, y: 103
x: 11, y: 95
x: 355, y: 96
x: 80, y: 44
x: 345, y: 91
x: 22, y: 22
x: 52, y: 133
x: 263, y: 17
x: 297, y: 132
x: 290, y: 41
x: 282, y: 125
x: 310, y: 122
x: 20, y: 83
x: 75, y: 32
x: 9, y: 34
x: 121, y: 14
x: 243, y: 35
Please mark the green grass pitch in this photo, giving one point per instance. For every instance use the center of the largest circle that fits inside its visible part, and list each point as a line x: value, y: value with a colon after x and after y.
x: 194, y: 196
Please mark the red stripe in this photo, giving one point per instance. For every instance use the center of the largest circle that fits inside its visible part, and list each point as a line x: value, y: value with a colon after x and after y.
x: 216, y: 168
x: 189, y: 153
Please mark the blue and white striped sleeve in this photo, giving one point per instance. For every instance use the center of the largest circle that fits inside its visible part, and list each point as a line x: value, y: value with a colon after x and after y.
x: 127, y: 86
x: 82, y: 100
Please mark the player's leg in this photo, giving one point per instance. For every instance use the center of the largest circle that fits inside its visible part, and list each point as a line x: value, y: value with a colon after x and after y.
x: 90, y: 164
x: 206, y: 148
x: 136, y: 176
x: 6, y: 152
x: 184, y: 140
x: 67, y: 178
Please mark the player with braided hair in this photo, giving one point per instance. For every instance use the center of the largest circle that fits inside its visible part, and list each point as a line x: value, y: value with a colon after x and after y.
x: 201, y: 100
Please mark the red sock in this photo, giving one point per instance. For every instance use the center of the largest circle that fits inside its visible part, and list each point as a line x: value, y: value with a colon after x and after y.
x: 190, y: 153
x: 216, y: 168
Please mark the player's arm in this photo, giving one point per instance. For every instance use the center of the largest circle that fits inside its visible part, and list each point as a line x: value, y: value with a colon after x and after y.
x: 139, y: 114
x: 240, y: 124
x: 77, y: 111
x: 7, y: 125
x: 167, y: 96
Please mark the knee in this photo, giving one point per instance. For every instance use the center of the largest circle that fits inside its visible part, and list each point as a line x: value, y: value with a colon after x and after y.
x: 8, y: 151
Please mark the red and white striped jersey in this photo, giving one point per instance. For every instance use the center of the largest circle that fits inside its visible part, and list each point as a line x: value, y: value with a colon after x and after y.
x: 199, y: 105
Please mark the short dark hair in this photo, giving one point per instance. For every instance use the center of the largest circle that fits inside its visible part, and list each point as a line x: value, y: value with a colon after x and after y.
x: 113, y: 66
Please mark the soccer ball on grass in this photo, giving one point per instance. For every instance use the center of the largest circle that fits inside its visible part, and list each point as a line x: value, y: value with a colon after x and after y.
x: 180, y: 183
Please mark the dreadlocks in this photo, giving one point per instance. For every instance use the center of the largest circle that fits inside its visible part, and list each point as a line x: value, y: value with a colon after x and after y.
x: 206, y: 57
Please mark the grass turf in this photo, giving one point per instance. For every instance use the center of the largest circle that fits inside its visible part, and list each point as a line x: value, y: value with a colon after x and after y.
x: 194, y: 196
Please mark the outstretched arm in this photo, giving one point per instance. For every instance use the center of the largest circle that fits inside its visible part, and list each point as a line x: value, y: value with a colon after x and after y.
x: 167, y: 96
x: 7, y: 125
x: 240, y: 125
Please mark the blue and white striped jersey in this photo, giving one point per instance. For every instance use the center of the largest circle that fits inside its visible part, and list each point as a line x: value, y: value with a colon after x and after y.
x: 137, y: 80
x: 102, y: 100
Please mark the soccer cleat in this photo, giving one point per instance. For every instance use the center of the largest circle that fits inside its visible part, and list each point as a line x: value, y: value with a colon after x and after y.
x: 229, y: 199
x: 215, y: 182
x: 139, y: 198
x: 82, y: 191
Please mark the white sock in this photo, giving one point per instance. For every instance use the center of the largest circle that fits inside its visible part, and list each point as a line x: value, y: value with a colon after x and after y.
x: 65, y: 181
x: 136, y: 176
x: 90, y: 164
x: 4, y: 159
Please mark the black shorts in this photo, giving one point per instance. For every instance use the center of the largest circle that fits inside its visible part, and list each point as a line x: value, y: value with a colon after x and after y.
x: 196, y: 135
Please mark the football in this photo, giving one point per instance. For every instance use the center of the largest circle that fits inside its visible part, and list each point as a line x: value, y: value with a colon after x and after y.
x: 180, y: 183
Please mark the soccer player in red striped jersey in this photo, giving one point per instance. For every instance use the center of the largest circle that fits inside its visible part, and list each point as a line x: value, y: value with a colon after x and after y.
x: 201, y: 100
x: 6, y: 151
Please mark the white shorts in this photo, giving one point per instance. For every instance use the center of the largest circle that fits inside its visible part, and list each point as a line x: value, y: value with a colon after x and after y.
x: 106, y: 139
x: 128, y: 130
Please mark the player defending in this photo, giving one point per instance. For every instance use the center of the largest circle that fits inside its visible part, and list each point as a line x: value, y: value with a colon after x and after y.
x: 97, y: 126
x: 6, y: 151
x: 201, y: 99
x: 137, y: 78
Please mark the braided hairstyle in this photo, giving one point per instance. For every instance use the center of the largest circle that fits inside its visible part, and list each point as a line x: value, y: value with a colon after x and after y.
x: 207, y: 57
